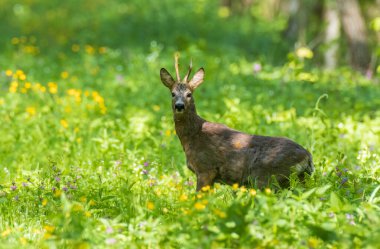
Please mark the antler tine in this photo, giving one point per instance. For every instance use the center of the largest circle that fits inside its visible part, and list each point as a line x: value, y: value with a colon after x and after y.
x: 176, y: 66
x: 188, y: 73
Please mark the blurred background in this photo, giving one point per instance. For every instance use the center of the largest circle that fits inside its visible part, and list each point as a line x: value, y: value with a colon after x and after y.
x: 338, y: 32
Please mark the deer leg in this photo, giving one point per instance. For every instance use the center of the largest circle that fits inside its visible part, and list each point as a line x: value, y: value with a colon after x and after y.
x: 205, y: 179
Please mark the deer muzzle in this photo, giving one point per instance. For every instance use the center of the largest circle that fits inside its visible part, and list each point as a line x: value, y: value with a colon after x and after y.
x: 179, y: 106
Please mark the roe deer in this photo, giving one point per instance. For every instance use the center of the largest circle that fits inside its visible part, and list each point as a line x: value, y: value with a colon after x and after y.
x: 216, y: 153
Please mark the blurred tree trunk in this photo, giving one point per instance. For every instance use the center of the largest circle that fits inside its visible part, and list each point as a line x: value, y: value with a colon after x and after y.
x: 332, y: 34
x: 295, y: 21
x: 301, y: 14
x: 237, y: 6
x: 226, y: 3
x: 356, y: 33
x: 336, y: 13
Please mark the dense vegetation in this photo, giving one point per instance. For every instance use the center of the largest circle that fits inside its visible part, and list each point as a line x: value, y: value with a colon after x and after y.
x: 88, y: 153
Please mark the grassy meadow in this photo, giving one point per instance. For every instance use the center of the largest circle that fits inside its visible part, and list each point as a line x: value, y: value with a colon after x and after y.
x: 88, y: 153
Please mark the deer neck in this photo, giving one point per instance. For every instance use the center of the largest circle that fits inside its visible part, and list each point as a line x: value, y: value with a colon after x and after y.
x: 187, y: 125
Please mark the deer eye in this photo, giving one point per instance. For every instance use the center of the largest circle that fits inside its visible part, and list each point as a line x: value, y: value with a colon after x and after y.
x: 188, y: 95
x: 173, y: 94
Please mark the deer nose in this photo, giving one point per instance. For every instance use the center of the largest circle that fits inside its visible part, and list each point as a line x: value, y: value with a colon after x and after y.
x: 179, y: 106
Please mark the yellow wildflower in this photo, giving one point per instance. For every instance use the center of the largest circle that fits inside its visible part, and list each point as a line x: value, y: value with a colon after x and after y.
x: 43, y: 89
x: 97, y: 98
x: 220, y: 213
x: 6, y: 232
x: 13, y: 87
x: 152, y: 182
x: 30, y: 49
x: 47, y: 236
x: 206, y: 188
x: 36, y: 86
x: 167, y: 133
x: 156, y: 108
x: 243, y: 189
x: 224, y: 12
x: 72, y: 92
x: 28, y: 85
x: 77, y: 207
x: 268, y: 191
x: 102, y: 50
x: 235, y: 186
x: 31, y: 110
x: 76, y: 93
x: 103, y: 109
x: 199, y: 206
x: 307, y: 77
x: 89, y: 49
x: 49, y: 228
x: 304, y: 52
x: 57, y: 193
x: 64, y: 123
x: 185, y: 211
x: 183, y: 197
x: 92, y: 203
x: 53, y: 88
x: 1, y: 101
x: 20, y: 75
x: 44, y: 202
x: 87, y: 214
x: 313, y: 242
x: 23, y: 240
x: 64, y: 75
x: 150, y: 205
x: 8, y: 72
x: 252, y: 192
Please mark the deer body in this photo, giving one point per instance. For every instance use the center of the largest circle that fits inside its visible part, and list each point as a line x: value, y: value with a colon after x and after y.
x: 217, y: 153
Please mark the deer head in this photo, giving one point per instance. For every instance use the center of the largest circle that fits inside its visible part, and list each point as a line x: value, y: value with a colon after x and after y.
x: 182, y: 90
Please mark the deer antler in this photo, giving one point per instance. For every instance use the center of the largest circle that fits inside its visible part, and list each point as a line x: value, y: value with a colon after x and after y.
x: 176, y: 66
x: 188, y: 73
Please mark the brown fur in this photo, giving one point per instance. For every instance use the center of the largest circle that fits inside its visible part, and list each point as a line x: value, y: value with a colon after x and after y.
x: 217, y: 153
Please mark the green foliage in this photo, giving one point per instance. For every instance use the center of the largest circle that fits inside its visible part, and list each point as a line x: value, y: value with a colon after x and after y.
x: 89, y: 156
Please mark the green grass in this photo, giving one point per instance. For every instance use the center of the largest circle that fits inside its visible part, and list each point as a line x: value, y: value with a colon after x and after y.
x: 89, y: 157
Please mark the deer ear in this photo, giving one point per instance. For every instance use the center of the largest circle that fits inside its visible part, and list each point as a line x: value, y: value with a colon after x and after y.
x: 197, y: 79
x: 166, y: 78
